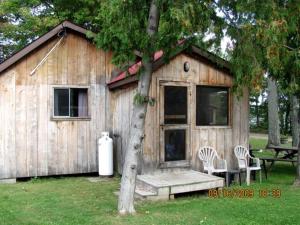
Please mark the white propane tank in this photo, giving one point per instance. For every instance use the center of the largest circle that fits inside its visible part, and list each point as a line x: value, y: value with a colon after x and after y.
x: 105, y: 155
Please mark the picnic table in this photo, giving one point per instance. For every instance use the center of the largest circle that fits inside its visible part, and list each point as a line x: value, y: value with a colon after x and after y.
x: 289, y: 154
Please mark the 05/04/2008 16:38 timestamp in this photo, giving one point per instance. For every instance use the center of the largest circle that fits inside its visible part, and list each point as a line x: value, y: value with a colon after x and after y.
x: 244, y: 193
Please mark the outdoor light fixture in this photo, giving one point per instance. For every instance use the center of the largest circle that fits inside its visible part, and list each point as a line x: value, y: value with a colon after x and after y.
x: 186, y: 67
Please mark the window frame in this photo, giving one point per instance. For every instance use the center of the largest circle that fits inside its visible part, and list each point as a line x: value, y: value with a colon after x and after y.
x: 229, y: 110
x: 69, y: 87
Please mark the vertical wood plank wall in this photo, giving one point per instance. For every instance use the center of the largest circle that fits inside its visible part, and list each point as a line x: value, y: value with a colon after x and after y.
x: 32, y: 144
x: 121, y: 104
x: 222, y: 138
x: 40, y: 146
x: 7, y: 126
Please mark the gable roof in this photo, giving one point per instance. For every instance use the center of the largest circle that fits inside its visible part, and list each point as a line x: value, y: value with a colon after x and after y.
x: 124, y: 77
x: 40, y: 41
x: 131, y: 75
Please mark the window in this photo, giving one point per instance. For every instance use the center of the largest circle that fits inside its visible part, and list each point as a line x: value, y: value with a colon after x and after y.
x: 71, y: 102
x: 212, y: 106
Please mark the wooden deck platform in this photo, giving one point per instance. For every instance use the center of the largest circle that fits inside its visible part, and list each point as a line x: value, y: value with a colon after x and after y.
x: 165, y: 185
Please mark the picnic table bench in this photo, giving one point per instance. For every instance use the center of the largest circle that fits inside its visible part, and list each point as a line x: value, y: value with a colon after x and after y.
x: 272, y: 160
x: 289, y: 154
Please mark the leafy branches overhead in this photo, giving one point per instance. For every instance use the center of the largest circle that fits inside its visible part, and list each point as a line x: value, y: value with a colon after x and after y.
x: 124, y: 25
x: 22, y: 21
x: 265, y: 34
x: 266, y: 38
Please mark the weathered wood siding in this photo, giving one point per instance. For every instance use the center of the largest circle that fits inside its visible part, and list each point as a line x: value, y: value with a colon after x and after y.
x: 222, y: 138
x: 33, y: 144
x: 7, y: 126
x: 121, y: 103
x: 39, y: 145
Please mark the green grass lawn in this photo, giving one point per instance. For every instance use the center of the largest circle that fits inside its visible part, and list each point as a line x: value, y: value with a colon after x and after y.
x: 77, y: 201
x: 261, y: 144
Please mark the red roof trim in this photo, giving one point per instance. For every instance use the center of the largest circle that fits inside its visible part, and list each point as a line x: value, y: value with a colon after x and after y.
x: 133, y: 69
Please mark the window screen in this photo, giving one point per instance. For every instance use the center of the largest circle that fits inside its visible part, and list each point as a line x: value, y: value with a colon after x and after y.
x: 175, y: 141
x: 211, y: 106
x: 71, y: 102
x: 175, y: 100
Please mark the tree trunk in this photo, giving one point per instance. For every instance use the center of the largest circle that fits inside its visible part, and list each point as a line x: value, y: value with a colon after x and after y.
x: 257, y: 111
x: 287, y: 121
x: 295, y: 106
x: 273, y: 118
x: 128, y: 181
x: 1, y: 53
x: 297, y: 180
x: 298, y: 163
x: 294, y: 103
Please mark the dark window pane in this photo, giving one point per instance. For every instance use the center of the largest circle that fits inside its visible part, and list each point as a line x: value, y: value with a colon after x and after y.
x: 174, y: 145
x: 175, y: 105
x: 79, y: 102
x: 212, y: 106
x: 61, y: 102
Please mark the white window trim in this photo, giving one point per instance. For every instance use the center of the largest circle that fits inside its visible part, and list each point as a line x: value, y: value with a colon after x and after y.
x: 69, y: 87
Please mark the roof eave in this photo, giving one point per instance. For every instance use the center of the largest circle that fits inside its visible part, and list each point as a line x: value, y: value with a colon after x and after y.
x: 214, y: 59
x: 193, y: 50
x: 39, y: 42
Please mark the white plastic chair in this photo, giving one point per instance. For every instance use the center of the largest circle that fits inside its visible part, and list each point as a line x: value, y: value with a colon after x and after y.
x: 208, y: 155
x: 243, y: 156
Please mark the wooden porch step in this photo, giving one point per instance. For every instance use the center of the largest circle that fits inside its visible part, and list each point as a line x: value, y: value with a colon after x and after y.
x: 165, y: 185
x: 144, y: 193
x: 141, y: 194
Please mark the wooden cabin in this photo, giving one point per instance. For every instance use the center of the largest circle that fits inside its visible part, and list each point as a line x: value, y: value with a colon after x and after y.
x: 60, y: 92
x: 193, y: 107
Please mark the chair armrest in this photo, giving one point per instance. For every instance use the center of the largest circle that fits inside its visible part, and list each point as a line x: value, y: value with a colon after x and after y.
x: 246, y: 162
x: 256, y: 159
x: 224, y: 163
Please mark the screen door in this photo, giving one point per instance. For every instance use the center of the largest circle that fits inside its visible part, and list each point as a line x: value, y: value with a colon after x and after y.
x: 174, y: 123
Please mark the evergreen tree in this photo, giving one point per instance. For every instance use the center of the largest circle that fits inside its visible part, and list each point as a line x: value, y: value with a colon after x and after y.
x: 22, y: 21
x: 265, y: 38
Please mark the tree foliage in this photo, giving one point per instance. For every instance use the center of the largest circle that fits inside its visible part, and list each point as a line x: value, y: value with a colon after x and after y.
x: 265, y: 34
x: 22, y: 21
x: 124, y: 25
x: 266, y: 39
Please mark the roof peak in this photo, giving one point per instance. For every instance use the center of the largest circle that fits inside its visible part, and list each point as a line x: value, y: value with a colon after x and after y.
x: 130, y: 75
x: 40, y: 41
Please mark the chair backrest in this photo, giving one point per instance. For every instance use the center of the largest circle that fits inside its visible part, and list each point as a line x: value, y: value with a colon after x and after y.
x: 207, y: 155
x: 242, y: 155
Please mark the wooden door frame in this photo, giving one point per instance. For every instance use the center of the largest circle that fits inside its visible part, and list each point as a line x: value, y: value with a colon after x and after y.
x: 162, y: 127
